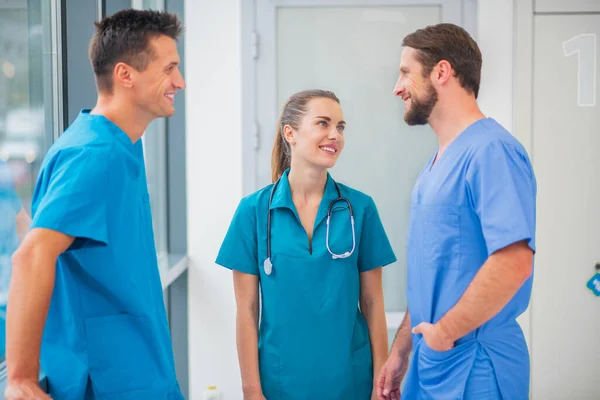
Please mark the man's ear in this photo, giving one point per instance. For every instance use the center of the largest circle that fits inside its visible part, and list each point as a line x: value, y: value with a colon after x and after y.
x: 122, y: 75
x: 442, y: 72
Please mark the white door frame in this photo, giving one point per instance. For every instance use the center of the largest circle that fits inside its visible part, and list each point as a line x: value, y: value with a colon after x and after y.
x: 260, y: 66
x: 562, y: 6
x: 523, y: 104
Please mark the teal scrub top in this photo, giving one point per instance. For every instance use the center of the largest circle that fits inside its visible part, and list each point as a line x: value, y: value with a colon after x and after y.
x: 106, y: 335
x: 477, y: 198
x: 313, y: 339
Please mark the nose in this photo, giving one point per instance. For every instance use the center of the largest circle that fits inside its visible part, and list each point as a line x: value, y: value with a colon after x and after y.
x: 399, y: 87
x: 179, y: 82
x: 334, y: 134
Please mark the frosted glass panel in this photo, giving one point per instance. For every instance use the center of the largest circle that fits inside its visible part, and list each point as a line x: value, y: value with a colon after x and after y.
x: 355, y: 51
x: 155, y: 155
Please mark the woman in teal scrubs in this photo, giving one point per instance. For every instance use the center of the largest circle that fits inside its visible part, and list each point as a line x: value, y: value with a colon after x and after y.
x: 315, y: 249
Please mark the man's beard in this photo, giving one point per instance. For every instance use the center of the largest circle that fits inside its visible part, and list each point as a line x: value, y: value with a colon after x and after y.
x: 420, y: 111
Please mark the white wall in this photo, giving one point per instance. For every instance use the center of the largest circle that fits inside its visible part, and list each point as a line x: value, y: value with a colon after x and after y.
x: 214, y: 149
x: 495, y: 39
x: 496, y: 95
x: 214, y: 186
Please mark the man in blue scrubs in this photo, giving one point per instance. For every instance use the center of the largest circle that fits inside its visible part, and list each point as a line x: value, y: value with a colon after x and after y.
x: 471, y: 236
x: 86, y: 286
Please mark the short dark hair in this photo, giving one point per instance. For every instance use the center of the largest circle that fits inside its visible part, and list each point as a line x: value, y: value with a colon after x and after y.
x: 451, y: 43
x: 125, y: 37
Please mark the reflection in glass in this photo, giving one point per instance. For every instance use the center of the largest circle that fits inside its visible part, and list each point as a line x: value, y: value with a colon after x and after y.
x: 155, y: 154
x: 26, y: 122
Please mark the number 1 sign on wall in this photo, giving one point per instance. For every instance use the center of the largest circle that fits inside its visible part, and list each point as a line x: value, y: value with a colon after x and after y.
x: 584, y: 46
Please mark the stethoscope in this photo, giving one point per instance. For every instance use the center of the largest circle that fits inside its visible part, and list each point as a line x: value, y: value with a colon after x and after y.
x: 268, y: 266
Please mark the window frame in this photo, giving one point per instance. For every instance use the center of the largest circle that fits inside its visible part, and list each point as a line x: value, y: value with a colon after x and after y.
x: 56, y: 113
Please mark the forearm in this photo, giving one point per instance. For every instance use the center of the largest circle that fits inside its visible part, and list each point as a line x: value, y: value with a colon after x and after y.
x: 374, y: 313
x: 29, y: 297
x: 402, y: 345
x: 492, y: 288
x: 247, y: 345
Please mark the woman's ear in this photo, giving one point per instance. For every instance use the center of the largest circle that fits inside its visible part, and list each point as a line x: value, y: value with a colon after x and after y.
x: 289, y: 134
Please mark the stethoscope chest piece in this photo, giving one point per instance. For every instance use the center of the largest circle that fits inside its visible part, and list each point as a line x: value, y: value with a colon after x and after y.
x: 268, y: 266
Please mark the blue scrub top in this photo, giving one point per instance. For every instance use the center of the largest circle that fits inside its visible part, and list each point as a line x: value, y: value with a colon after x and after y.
x: 107, y: 321
x: 477, y: 198
x: 313, y: 339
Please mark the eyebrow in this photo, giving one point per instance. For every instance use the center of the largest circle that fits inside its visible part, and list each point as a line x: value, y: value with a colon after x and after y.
x: 329, y: 119
x: 172, y: 64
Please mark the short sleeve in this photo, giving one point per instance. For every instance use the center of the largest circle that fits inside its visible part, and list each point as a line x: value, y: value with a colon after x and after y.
x: 502, y: 190
x: 374, y: 249
x: 76, y: 195
x: 239, y: 250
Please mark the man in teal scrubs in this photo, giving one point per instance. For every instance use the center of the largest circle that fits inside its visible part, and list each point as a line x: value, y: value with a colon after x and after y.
x: 471, y: 235
x: 86, y: 285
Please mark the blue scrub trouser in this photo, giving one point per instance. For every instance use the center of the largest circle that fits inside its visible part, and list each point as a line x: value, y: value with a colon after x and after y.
x: 482, y: 383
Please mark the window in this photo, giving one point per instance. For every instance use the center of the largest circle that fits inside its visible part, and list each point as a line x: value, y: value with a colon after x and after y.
x: 40, y: 40
x: 166, y: 175
x: 164, y: 151
x: 155, y: 156
x: 154, y: 141
x: 29, y: 119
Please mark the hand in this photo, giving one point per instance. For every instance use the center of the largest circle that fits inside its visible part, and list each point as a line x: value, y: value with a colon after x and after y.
x: 434, y: 336
x: 390, y: 377
x: 24, y: 390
